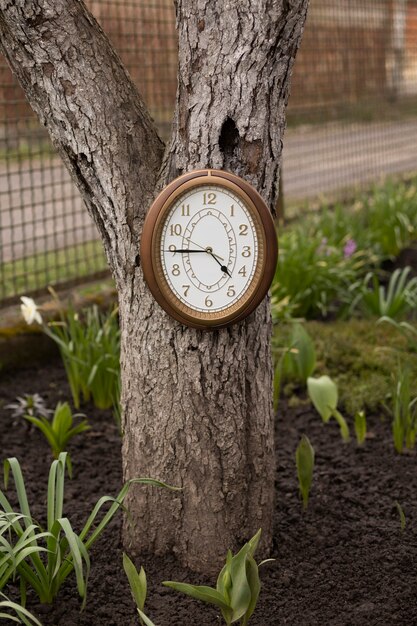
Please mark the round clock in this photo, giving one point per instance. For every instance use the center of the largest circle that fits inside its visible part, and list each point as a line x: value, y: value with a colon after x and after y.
x: 209, y: 249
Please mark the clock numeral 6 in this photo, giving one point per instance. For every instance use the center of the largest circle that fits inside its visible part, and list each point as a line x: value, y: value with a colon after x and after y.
x: 209, y: 198
x: 175, y: 270
x: 175, y: 229
x: 208, y: 302
x: 246, y: 251
x: 231, y: 291
x: 186, y: 289
x: 243, y: 229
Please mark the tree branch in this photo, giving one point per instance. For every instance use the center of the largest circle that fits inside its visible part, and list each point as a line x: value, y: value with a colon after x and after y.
x: 95, y: 116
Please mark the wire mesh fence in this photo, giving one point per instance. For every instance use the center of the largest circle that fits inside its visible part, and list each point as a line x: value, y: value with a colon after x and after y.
x: 46, y: 234
x: 352, y: 114
x: 352, y: 118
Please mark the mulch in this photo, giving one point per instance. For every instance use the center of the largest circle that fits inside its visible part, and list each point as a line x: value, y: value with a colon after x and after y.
x: 345, y: 561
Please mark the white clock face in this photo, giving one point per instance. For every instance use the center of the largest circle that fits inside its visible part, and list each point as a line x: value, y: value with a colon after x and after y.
x: 209, y: 248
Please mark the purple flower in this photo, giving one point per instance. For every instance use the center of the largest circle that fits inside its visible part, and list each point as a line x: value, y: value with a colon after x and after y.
x: 350, y: 248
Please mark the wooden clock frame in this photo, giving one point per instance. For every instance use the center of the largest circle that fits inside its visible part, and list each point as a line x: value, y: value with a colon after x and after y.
x: 151, y: 260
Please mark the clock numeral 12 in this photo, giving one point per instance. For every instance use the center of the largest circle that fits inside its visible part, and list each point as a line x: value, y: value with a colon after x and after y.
x: 209, y: 198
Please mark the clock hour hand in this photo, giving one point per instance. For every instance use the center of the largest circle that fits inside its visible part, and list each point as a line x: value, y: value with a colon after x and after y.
x: 222, y: 267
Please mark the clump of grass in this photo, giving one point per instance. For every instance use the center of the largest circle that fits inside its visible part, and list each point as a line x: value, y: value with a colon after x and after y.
x: 404, y: 411
x: 89, y: 343
x: 43, y: 558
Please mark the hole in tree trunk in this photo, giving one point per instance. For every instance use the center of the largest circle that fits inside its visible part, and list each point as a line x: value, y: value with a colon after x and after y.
x: 229, y: 141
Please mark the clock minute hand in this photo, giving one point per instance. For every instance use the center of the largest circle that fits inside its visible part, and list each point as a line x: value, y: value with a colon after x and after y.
x: 184, y: 250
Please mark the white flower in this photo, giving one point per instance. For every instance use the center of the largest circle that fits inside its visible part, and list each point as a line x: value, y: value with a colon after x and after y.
x: 29, y: 404
x: 30, y: 311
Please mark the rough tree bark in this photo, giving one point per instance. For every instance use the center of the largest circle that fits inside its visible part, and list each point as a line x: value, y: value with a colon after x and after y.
x: 197, y: 405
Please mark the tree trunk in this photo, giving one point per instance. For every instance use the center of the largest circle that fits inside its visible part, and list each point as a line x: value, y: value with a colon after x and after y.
x: 197, y: 405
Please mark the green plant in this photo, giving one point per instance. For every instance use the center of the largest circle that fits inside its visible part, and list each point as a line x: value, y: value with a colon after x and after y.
x: 312, y: 278
x: 61, y: 429
x: 323, y: 394
x: 324, y: 259
x: 138, y: 586
x: 23, y: 615
x: 63, y: 549
x: 89, y: 344
x: 402, y: 515
x: 395, y: 301
x: 390, y: 217
x: 382, y: 220
x: 404, y: 412
x: 406, y: 329
x: 304, y: 457
x: 296, y: 361
x: 360, y: 427
x: 238, y: 585
x: 299, y: 359
x: 117, y: 409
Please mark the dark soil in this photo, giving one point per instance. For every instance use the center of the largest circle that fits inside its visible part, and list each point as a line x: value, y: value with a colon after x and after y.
x: 406, y: 257
x: 344, y: 562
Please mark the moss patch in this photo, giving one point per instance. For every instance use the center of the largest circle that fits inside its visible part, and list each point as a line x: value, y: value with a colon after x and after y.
x: 361, y: 357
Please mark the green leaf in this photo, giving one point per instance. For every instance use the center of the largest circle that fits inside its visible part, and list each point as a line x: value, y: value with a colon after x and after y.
x: 401, y: 514
x: 323, y: 394
x: 304, y: 458
x: 277, y: 383
x: 360, y: 427
x: 201, y: 592
x: 344, y: 428
x: 305, y: 354
x: 252, y: 573
x: 224, y: 580
x: 137, y: 581
x: 145, y: 619
x: 47, y: 430
x: 13, y: 465
x: 78, y: 554
x: 254, y: 542
x: 240, y: 595
x: 24, y: 615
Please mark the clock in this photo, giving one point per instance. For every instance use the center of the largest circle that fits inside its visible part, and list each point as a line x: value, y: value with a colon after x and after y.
x: 208, y: 249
